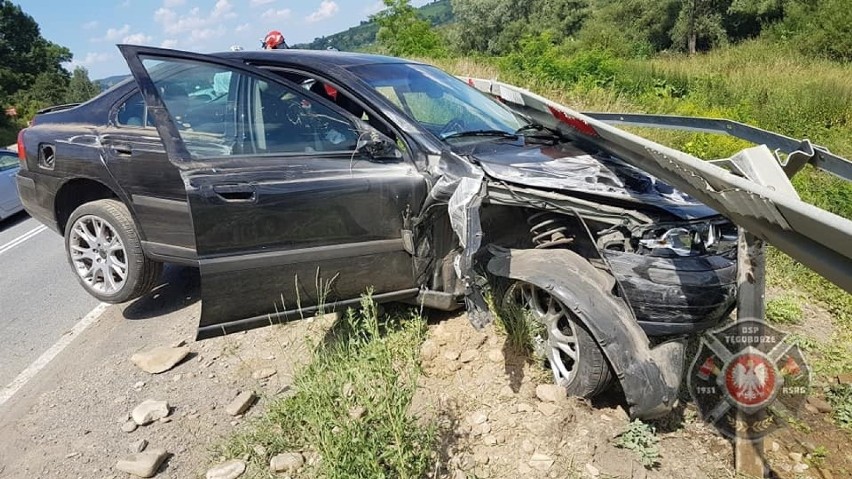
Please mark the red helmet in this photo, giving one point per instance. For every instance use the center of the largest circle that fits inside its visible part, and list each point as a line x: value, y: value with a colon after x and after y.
x: 273, y: 40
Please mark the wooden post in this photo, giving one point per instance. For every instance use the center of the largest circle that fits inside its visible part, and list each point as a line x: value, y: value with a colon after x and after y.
x: 751, y: 283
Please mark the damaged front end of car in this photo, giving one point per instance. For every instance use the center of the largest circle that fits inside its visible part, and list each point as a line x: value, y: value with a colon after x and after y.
x: 638, y: 263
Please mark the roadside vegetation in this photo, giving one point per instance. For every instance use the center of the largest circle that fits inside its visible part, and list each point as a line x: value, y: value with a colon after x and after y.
x: 349, y: 411
x: 32, y: 75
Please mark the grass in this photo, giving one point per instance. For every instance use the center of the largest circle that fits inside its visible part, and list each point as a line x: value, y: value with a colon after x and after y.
x: 840, y: 398
x: 641, y: 438
x: 350, y: 405
x: 784, y: 310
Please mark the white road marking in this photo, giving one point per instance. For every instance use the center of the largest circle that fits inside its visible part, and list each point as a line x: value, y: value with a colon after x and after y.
x: 43, y: 360
x: 20, y: 239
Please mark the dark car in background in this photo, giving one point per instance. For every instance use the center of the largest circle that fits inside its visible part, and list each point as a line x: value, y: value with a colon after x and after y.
x: 278, y: 171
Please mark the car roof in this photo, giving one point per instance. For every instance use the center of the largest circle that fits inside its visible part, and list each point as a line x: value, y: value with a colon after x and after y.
x: 314, y: 57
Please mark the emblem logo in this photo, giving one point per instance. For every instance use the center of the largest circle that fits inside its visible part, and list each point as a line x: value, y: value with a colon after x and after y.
x: 746, y: 379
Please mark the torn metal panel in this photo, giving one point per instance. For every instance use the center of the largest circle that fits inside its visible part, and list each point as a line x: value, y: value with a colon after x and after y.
x: 805, y: 232
x: 649, y: 377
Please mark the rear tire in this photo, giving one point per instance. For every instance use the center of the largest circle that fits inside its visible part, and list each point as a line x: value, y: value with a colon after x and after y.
x: 105, y: 253
x: 576, y: 360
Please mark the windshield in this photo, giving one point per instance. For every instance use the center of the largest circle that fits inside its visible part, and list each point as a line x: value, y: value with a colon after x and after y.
x: 443, y: 104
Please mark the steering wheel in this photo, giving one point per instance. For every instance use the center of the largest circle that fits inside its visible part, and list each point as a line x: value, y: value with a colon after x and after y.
x: 454, y: 126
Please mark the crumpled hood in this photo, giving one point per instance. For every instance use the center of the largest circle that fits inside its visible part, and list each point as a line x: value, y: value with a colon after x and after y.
x: 569, y: 169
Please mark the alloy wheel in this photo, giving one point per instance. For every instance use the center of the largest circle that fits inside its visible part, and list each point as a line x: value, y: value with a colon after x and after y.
x: 556, y: 336
x: 98, y: 254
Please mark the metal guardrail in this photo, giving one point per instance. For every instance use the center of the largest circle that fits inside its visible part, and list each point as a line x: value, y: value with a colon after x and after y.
x: 799, y: 152
x: 753, y: 190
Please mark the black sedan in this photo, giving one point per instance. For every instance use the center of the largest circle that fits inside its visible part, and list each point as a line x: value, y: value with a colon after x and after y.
x: 297, y: 177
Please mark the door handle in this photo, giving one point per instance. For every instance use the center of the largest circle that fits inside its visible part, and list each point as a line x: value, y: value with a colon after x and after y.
x: 236, y: 192
x: 120, y: 149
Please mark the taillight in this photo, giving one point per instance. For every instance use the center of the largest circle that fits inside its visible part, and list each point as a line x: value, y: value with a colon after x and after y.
x: 22, y: 151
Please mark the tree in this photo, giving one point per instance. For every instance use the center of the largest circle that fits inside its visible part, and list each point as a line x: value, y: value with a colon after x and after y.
x: 80, y: 88
x: 700, y: 20
x: 24, y: 53
x: 403, y: 33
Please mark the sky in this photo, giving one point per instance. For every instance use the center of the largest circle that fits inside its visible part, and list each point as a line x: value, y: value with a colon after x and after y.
x: 92, y: 29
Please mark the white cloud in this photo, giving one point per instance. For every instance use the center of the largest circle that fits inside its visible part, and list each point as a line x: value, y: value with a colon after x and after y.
x: 125, y: 4
x: 195, y: 24
x: 327, y: 9
x: 90, y: 59
x: 90, y: 25
x: 169, y: 43
x: 375, y: 8
x: 273, y: 14
x: 173, y: 3
x: 137, y: 39
x: 258, y: 3
x: 113, y: 34
x: 242, y: 28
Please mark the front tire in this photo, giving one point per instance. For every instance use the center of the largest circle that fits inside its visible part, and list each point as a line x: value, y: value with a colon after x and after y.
x: 577, y: 362
x: 105, y: 252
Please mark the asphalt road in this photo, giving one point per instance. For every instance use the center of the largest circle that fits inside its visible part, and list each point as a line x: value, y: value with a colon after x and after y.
x: 40, y: 298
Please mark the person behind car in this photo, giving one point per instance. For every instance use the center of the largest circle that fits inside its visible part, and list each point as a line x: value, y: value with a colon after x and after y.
x: 274, y: 40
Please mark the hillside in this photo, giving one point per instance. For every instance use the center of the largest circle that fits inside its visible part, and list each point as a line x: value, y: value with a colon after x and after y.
x: 437, y: 13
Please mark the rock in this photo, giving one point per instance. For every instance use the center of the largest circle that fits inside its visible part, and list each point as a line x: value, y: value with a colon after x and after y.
x: 287, y: 462
x: 451, y: 355
x: 459, y: 475
x: 592, y: 471
x: 796, y: 456
x: 821, y: 405
x: 468, y: 356
x: 142, y: 464
x: 348, y: 390
x: 227, y: 470
x: 138, y: 446
x: 775, y: 446
x: 489, y: 440
x: 811, y: 409
x: 129, y: 426
x: 844, y: 379
x: 428, y: 350
x: 241, y: 403
x: 149, y: 411
x: 165, y: 420
x: 496, y: 356
x: 453, y: 366
x: 481, y: 458
x: 357, y: 412
x: 477, y: 418
x: 263, y: 373
x: 139, y: 385
x: 541, y: 462
x: 524, y: 469
x: 465, y: 462
x: 800, y: 467
x: 482, y: 429
x: 550, y: 392
x: 548, y: 409
x: 527, y: 446
x: 259, y: 450
x: 506, y: 392
x: 159, y: 359
x: 524, y: 407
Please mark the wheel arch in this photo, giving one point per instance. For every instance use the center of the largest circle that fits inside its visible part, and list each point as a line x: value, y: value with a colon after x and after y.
x: 649, y: 377
x: 77, y: 192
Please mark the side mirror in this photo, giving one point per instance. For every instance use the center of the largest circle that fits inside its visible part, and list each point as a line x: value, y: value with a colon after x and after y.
x: 377, y: 146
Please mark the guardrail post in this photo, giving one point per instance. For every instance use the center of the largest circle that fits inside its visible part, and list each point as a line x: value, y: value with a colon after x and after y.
x: 751, y: 283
